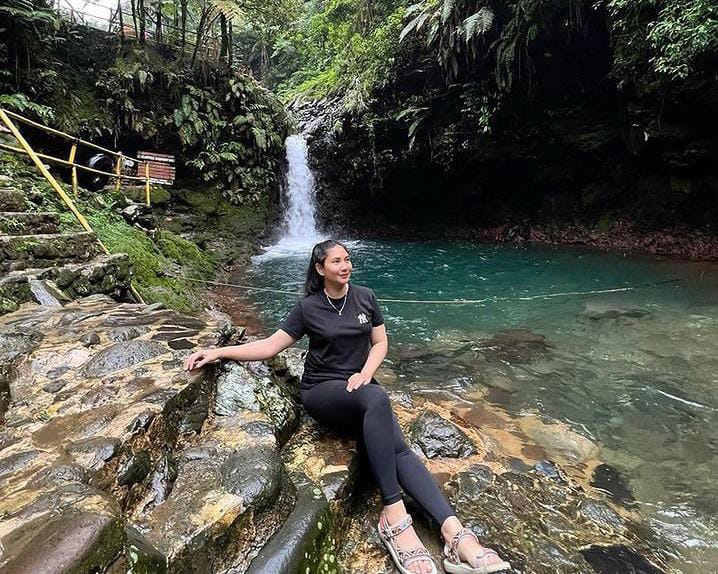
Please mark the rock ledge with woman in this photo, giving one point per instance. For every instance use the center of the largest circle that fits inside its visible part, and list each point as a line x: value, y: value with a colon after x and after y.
x: 113, y: 458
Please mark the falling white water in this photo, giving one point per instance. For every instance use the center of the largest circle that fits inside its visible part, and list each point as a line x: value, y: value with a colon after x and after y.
x: 300, y: 227
x: 299, y: 218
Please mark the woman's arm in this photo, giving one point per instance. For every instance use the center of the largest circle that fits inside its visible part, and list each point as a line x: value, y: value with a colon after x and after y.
x: 254, y: 351
x: 379, y: 346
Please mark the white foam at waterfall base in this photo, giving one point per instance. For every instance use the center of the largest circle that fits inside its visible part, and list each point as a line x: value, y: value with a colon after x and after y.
x: 299, y: 226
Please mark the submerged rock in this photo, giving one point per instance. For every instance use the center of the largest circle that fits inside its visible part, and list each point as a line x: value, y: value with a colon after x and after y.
x: 550, y: 470
x: 609, y: 480
x: 617, y: 559
x: 438, y: 437
x: 559, y: 441
x: 530, y: 520
x: 598, y: 310
x: 515, y: 346
x: 600, y: 514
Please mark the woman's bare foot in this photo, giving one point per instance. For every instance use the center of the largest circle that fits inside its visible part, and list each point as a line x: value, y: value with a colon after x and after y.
x: 407, y: 539
x: 469, y: 547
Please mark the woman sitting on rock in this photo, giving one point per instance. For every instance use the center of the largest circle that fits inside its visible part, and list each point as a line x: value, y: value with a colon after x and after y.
x: 347, y: 343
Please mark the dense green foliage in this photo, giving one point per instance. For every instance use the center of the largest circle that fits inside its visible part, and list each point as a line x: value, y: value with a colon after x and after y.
x: 346, y: 46
x: 228, y: 127
x: 671, y: 45
x: 408, y: 84
x: 224, y: 126
x: 493, y: 52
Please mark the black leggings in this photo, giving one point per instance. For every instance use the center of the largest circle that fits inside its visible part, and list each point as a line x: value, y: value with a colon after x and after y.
x: 365, y: 414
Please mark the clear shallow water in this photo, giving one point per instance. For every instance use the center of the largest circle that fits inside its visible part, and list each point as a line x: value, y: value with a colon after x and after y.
x: 643, y: 385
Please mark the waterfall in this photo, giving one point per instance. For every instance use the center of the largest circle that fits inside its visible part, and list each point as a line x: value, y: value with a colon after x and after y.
x: 300, y: 227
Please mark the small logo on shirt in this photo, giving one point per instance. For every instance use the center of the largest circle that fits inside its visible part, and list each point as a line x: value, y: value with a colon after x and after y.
x: 362, y: 318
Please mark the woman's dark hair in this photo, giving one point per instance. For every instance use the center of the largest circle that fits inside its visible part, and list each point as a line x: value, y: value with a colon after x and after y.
x: 315, y: 282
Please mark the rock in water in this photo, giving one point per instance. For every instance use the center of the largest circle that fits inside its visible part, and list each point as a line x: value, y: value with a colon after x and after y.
x: 438, y: 437
x: 608, y: 479
x: 618, y: 559
x: 515, y: 346
x: 597, y: 310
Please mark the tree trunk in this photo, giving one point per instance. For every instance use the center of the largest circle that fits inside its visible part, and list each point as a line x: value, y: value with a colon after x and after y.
x: 143, y: 19
x: 134, y: 16
x: 158, y: 23
x: 230, y: 34
x: 224, y: 43
x: 183, y: 26
x: 198, y: 36
x: 122, y: 24
x: 264, y: 63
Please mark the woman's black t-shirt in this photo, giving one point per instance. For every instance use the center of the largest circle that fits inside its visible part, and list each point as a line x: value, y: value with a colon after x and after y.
x: 338, y: 344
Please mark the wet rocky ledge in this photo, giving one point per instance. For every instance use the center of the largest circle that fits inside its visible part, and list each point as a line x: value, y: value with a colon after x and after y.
x: 114, y: 459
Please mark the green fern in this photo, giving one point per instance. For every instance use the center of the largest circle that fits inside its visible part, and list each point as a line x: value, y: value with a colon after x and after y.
x: 447, y: 10
x: 478, y: 23
x: 228, y: 8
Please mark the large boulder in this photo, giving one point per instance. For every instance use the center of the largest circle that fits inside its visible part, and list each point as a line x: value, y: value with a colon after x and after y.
x: 253, y: 386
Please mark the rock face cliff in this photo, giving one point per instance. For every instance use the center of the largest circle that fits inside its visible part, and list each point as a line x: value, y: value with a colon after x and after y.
x: 575, y: 146
x: 113, y: 458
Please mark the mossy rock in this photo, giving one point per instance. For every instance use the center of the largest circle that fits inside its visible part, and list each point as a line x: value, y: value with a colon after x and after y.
x: 158, y: 194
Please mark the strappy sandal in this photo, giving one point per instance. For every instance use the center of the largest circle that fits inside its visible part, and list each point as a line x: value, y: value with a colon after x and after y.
x: 402, y: 558
x: 455, y: 565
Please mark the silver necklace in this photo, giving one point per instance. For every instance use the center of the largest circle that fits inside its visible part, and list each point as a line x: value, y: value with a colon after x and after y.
x: 346, y: 296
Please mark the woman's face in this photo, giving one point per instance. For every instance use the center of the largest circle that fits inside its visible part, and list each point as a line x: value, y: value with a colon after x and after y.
x: 337, y: 267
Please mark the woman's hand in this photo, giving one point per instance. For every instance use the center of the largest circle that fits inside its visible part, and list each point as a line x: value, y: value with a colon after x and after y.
x: 357, y: 380
x: 201, y: 358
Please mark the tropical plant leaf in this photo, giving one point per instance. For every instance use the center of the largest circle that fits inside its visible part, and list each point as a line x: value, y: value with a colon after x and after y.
x: 228, y: 8
x: 478, y: 23
x: 447, y: 9
x: 413, y: 26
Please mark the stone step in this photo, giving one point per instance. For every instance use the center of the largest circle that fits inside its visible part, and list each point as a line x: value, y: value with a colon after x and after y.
x: 108, y: 274
x: 26, y: 222
x: 11, y: 199
x: 46, y: 250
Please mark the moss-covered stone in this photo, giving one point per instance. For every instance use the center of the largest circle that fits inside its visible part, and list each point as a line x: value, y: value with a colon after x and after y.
x: 149, y: 255
x: 158, y: 194
x: 151, y: 260
x: 229, y: 231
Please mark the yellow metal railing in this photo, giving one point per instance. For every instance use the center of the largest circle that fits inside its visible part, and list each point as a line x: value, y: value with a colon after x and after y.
x: 36, y: 159
x: 70, y: 162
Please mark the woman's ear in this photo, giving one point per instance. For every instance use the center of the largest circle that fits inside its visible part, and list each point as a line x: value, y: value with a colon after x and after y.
x: 320, y: 268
